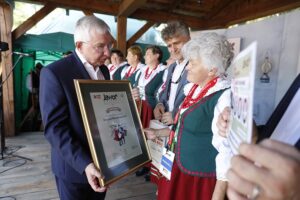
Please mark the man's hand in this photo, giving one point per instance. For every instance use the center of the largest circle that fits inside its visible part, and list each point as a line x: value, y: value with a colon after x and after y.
x: 270, y: 166
x: 158, y: 111
x: 92, y: 174
x: 167, y: 118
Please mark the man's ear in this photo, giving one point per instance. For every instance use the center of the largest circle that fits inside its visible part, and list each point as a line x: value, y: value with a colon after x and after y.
x: 78, y: 45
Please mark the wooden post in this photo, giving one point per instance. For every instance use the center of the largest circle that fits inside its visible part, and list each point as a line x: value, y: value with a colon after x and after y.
x: 121, y: 30
x: 6, y: 19
x: 87, y: 12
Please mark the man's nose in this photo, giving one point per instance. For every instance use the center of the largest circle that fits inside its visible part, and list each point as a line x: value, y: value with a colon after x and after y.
x: 106, y: 51
x: 171, y: 49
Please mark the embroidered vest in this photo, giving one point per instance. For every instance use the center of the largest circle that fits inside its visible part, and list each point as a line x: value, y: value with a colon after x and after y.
x: 151, y: 87
x: 195, y: 154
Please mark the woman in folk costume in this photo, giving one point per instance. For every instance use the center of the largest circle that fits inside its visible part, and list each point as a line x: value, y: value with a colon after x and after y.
x: 193, y: 171
x: 117, y: 60
x: 146, y: 82
x: 134, y: 58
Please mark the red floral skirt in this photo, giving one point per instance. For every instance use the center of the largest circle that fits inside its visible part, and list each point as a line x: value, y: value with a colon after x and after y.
x: 183, y: 186
x: 146, y: 114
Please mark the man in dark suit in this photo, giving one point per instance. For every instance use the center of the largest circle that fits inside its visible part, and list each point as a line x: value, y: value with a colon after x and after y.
x: 175, y: 35
x: 75, y: 173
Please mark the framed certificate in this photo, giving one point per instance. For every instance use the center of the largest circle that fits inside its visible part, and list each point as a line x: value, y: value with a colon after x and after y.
x: 113, y: 128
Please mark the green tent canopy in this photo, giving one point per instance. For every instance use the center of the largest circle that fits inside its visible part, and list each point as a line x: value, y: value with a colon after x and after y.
x: 56, y: 42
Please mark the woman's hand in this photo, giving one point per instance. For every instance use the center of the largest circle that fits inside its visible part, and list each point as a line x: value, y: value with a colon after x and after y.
x: 154, y: 133
x: 135, y: 92
x: 150, y: 133
x: 223, y: 122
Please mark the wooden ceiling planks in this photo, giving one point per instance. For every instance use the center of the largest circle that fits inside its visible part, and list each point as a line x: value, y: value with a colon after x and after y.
x: 198, y: 14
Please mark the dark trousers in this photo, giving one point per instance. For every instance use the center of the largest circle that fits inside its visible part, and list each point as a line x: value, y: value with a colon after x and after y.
x: 77, y: 191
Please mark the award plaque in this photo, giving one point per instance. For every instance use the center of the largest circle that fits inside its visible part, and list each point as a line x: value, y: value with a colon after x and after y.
x: 113, y: 128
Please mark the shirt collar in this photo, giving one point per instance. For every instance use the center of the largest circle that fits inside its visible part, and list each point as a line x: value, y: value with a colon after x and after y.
x: 184, y: 62
x: 84, y: 61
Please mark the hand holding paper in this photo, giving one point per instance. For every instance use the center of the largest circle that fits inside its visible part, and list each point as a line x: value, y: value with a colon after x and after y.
x: 223, y: 122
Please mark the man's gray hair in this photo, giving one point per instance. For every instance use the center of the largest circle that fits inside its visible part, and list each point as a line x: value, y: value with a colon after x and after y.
x: 86, y: 25
x: 212, y: 49
x: 175, y: 29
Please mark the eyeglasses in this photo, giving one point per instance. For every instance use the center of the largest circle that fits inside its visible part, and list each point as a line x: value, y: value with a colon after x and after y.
x: 100, y: 46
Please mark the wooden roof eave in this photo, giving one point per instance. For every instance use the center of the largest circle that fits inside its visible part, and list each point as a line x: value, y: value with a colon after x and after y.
x: 249, y: 11
x: 92, y: 6
x: 163, y: 17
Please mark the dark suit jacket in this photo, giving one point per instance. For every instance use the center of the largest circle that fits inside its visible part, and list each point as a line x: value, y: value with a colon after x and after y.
x: 62, y: 119
x: 164, y: 98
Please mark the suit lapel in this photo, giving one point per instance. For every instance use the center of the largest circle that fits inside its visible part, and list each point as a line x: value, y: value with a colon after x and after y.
x: 80, y: 67
x: 179, y: 92
x: 104, y: 70
x: 182, y: 83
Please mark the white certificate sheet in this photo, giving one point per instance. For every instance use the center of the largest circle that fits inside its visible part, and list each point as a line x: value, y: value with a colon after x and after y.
x: 157, y: 145
x: 117, y: 129
x: 242, y: 91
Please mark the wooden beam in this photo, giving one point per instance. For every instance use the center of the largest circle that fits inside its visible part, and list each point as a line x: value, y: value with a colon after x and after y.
x: 249, y: 10
x: 33, y: 20
x: 174, y: 4
x: 203, y: 7
x: 163, y: 17
x: 91, y: 5
x: 121, y: 36
x: 127, y: 7
x: 218, y: 8
x: 222, y: 15
x: 6, y: 21
x: 87, y: 12
x: 139, y: 33
x: 113, y: 9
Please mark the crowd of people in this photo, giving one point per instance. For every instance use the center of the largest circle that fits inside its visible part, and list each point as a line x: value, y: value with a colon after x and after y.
x: 190, y: 95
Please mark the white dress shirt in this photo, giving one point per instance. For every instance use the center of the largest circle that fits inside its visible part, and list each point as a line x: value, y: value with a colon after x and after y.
x: 95, y: 74
x: 176, y: 75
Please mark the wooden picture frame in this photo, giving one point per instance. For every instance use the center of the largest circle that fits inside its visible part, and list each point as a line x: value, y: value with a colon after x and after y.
x: 113, y: 128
